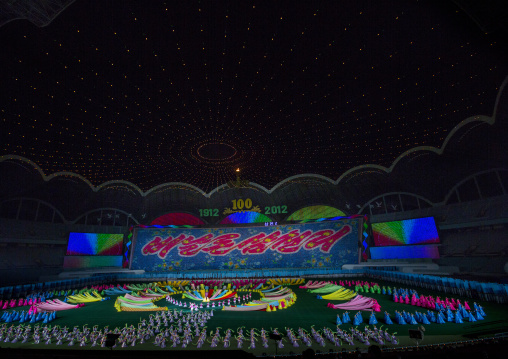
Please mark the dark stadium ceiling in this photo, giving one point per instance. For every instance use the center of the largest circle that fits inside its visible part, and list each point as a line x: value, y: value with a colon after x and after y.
x: 153, y: 92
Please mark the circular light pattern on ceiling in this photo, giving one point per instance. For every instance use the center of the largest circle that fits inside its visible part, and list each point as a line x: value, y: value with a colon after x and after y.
x: 216, y: 151
x: 190, y: 91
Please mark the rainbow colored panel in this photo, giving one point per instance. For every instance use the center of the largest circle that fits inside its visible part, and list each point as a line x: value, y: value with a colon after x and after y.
x: 401, y: 252
x: 245, y: 217
x: 94, y: 244
x: 409, y: 231
x: 92, y: 261
x: 315, y: 212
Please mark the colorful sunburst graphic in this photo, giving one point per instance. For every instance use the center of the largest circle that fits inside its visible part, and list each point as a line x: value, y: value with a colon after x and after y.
x: 246, y: 217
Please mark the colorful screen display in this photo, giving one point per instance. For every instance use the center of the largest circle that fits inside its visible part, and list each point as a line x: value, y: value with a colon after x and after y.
x: 245, y: 217
x: 401, y: 252
x: 92, y: 261
x: 315, y: 212
x: 409, y: 231
x: 94, y: 244
x: 322, y: 244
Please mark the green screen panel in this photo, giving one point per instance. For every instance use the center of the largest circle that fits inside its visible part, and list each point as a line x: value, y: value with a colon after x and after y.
x: 315, y: 212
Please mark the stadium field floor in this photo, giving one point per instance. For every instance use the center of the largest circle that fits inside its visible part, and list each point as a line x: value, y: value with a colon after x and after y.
x: 306, y: 312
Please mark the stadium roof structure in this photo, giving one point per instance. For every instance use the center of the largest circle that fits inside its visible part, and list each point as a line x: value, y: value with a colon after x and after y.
x: 122, y: 101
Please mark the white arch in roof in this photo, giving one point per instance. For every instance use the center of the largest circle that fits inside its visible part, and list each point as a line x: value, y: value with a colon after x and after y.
x: 39, y: 201
x: 70, y: 174
x: 217, y: 189
x: 104, y: 209
x: 392, y: 193
x: 105, y: 184
x: 127, y: 183
x: 41, y: 172
x: 478, y: 118
x: 167, y: 184
x: 439, y: 151
x: 304, y: 175
x: 226, y: 186
x: 26, y: 160
x: 461, y: 182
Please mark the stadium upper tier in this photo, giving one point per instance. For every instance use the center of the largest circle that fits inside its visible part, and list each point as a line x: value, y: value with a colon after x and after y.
x: 469, y: 165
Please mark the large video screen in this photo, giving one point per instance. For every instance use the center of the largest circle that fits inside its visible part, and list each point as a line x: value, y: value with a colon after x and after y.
x: 321, y: 244
x: 404, y: 252
x: 94, y: 244
x: 409, y: 231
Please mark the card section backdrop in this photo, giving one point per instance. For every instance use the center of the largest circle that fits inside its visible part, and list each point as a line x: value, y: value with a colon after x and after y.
x: 311, y: 245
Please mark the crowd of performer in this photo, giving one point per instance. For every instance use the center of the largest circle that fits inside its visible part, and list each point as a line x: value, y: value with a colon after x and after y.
x: 177, y: 328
